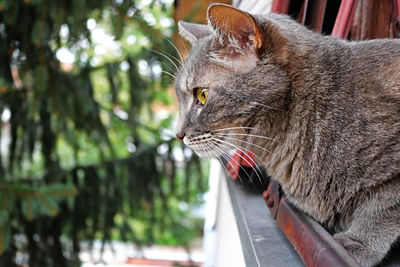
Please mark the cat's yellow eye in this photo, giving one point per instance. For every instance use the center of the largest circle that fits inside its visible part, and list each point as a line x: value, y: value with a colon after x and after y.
x: 202, y: 95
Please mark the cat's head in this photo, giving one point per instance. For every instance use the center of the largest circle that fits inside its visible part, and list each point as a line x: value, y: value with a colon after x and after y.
x: 229, y: 81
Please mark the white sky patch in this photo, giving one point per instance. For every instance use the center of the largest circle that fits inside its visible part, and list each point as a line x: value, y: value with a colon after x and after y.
x: 91, y: 24
x: 84, y: 44
x: 187, y: 152
x: 100, y: 50
x: 163, y: 114
x: 6, y: 115
x: 178, y: 154
x: 144, y: 41
x: 131, y: 147
x: 143, y: 3
x: 149, y: 18
x: 84, y: 57
x: 167, y: 134
x: 64, y: 33
x: 15, y: 53
x: 183, y: 206
x: 166, y: 22
x: 124, y: 66
x: 118, y: 52
x: 95, y: 61
x: 162, y: 149
x: 130, y: 12
x: 65, y: 55
x: 168, y: 2
x: 100, y: 37
x: 120, y: 113
x: 156, y: 68
x: 143, y: 67
x: 131, y: 39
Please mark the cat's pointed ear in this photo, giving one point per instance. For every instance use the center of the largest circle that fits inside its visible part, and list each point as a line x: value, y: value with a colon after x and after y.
x: 235, y: 24
x: 191, y: 32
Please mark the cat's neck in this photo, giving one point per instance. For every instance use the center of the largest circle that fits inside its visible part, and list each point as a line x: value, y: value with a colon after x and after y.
x: 314, y: 69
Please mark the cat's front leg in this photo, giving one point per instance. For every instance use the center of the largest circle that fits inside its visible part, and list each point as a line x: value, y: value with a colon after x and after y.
x: 370, y: 235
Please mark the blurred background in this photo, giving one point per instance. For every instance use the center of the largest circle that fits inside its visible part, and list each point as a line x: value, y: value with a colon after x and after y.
x: 90, y: 171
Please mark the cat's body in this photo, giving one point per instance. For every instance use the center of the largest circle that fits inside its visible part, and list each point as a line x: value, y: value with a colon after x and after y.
x: 328, y: 111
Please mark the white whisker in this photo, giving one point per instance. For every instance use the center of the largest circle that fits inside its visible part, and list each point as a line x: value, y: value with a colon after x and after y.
x: 243, y: 149
x: 162, y: 54
x: 251, y: 135
x: 251, y: 164
x: 229, y: 161
x: 263, y: 105
x: 177, y: 50
x: 231, y: 138
x: 233, y: 128
x: 223, y: 165
x: 170, y: 74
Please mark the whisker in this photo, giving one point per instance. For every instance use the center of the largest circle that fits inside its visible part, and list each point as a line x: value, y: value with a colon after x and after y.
x: 232, y: 138
x: 251, y: 164
x: 177, y: 50
x: 263, y: 105
x: 166, y: 72
x: 229, y: 160
x: 162, y: 54
x: 223, y: 165
x: 243, y: 149
x: 233, y: 128
x: 167, y: 66
x: 251, y: 135
x: 174, y: 57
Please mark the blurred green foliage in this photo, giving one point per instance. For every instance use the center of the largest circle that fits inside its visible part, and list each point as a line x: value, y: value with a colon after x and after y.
x: 86, y: 150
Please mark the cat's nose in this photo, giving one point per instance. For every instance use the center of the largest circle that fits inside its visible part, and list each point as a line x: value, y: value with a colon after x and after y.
x: 180, y: 136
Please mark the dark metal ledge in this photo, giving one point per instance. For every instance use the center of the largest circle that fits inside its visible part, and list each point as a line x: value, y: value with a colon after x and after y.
x: 283, y: 235
x: 264, y: 244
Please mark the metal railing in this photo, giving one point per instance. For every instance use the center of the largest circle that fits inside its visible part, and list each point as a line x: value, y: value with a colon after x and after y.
x: 275, y: 233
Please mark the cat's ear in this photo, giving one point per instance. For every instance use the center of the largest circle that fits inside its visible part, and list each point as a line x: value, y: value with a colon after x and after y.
x: 233, y: 24
x: 191, y: 32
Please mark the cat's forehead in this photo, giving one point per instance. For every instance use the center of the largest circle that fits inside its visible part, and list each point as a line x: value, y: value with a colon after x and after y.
x: 199, y: 70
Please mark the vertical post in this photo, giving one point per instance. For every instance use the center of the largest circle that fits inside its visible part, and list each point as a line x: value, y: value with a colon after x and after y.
x: 315, y: 13
x: 344, y: 18
x: 280, y: 6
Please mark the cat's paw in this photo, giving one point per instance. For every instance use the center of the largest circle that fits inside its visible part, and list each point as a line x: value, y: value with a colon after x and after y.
x: 359, y: 250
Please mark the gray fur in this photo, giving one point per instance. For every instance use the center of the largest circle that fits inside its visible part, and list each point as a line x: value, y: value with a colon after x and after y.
x: 191, y: 32
x: 332, y: 108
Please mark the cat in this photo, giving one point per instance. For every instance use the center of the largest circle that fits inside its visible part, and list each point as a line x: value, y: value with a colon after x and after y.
x: 320, y: 113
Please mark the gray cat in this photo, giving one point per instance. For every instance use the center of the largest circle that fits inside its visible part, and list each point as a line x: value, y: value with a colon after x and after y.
x: 322, y: 114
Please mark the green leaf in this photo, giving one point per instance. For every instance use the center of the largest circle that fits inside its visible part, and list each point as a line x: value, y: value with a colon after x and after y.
x: 30, y: 208
x: 59, y: 190
x: 41, y: 79
x: 5, y: 232
x: 48, y: 205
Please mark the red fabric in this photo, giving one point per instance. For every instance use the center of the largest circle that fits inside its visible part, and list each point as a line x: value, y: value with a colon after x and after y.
x: 240, y: 158
x: 344, y: 18
x: 280, y: 6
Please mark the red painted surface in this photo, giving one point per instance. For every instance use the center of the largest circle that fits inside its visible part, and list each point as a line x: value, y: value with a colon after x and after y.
x: 314, y: 244
x: 280, y: 6
x: 344, y: 18
x: 240, y: 158
x: 315, y: 14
